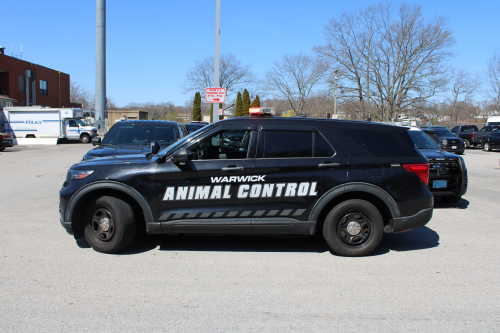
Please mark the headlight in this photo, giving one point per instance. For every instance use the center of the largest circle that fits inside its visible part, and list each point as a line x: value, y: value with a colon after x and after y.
x: 78, y: 174
x: 445, y: 142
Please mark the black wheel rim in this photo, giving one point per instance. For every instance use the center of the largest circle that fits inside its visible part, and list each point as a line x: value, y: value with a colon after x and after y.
x: 103, y: 225
x: 347, y: 233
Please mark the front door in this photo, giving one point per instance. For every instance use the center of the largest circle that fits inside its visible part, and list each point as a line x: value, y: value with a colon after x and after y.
x: 72, y: 129
x: 210, y: 194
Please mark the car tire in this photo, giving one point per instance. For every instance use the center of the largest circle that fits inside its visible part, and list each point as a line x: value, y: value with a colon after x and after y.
x: 467, y: 143
x: 114, y: 233
x: 2, y: 148
x: 486, y: 146
x: 353, y: 228
x: 460, y: 152
x: 451, y: 198
x: 85, y: 138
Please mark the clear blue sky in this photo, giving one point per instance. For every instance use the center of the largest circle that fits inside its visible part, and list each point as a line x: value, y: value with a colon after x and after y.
x: 151, y: 44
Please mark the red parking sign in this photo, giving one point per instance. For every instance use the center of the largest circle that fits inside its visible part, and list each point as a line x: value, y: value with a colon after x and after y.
x: 215, y: 95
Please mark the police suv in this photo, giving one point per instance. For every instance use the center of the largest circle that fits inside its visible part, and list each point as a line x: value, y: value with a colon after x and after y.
x: 350, y: 181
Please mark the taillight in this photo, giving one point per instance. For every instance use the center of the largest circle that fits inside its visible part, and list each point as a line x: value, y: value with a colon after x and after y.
x: 473, y: 135
x: 1, y: 137
x: 422, y: 170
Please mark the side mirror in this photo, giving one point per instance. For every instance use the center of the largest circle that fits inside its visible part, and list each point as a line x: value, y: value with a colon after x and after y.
x: 180, y: 156
x: 155, y: 147
x: 96, y: 140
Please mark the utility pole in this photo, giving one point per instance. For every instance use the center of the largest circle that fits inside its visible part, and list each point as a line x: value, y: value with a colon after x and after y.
x: 100, y: 66
x: 216, y: 53
x: 335, y: 94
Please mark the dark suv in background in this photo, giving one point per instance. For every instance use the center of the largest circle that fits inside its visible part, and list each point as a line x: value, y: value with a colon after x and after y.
x: 135, y: 136
x: 349, y: 181
x: 449, y: 141
x: 447, y: 172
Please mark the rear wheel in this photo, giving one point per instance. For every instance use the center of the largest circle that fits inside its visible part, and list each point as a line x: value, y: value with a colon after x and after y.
x: 110, y: 224
x: 353, y: 228
x: 486, y: 146
x: 2, y: 148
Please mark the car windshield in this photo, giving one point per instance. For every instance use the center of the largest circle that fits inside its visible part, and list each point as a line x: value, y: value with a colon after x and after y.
x: 194, y: 127
x: 79, y: 121
x: 141, y: 133
x: 443, y: 132
x: 170, y: 149
x: 422, y: 140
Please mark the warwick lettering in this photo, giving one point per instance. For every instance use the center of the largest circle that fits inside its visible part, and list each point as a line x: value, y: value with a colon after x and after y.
x: 220, y: 192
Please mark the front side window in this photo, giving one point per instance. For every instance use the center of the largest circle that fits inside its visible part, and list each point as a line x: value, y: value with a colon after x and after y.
x: 422, y: 140
x: 72, y: 123
x: 486, y: 128
x: 226, y: 144
x: 43, y: 87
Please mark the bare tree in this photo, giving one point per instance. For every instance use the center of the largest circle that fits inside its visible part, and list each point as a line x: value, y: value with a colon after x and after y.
x: 232, y: 75
x: 294, y: 77
x: 400, y: 55
x: 78, y: 94
x: 463, y: 87
x: 494, y: 78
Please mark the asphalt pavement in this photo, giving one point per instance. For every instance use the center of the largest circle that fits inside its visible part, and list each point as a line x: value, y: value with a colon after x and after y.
x: 444, y: 277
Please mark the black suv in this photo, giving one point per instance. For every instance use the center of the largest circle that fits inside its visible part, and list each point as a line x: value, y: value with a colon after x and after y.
x: 348, y: 180
x: 447, y: 172
x: 135, y: 136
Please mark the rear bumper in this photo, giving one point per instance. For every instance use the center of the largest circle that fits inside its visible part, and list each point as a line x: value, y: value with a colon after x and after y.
x: 406, y: 223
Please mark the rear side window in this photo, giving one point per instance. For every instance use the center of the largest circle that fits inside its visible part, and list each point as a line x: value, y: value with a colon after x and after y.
x: 293, y: 144
x: 381, y: 143
x: 283, y: 144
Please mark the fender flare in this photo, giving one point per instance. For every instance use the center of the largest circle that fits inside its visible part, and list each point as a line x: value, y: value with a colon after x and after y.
x: 354, y: 187
x: 148, y: 216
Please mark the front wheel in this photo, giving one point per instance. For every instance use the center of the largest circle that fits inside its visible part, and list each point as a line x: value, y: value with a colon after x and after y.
x: 353, y: 228
x: 110, y: 224
x: 486, y: 146
x: 85, y: 138
x: 467, y: 143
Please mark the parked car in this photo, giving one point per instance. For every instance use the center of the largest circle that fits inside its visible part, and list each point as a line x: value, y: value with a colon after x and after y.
x: 447, y: 172
x: 485, y: 131
x: 135, y: 136
x: 193, y: 126
x: 491, y: 141
x: 449, y: 141
x: 466, y: 132
x: 345, y: 180
x: 6, y: 140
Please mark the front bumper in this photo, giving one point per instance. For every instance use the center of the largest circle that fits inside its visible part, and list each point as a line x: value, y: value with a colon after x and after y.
x: 67, y: 226
x: 406, y: 223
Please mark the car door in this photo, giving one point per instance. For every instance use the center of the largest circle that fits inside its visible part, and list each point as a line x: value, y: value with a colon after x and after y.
x: 495, y: 140
x: 72, y: 129
x: 297, y: 165
x: 207, y: 194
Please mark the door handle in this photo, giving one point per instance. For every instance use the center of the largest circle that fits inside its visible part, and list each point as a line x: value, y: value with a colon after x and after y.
x: 328, y: 165
x: 232, y: 168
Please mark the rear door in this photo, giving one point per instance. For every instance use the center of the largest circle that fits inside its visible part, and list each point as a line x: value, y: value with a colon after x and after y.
x: 210, y: 193
x: 297, y: 165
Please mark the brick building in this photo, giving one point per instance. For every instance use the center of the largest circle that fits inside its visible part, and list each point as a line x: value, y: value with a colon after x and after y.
x: 19, y: 79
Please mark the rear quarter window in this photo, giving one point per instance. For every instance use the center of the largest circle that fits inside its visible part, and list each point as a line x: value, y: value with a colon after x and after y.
x: 383, y: 143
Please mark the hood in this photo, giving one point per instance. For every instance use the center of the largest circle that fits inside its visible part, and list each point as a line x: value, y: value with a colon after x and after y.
x: 113, y: 160
x: 433, y: 154
x: 447, y: 137
x: 113, y: 150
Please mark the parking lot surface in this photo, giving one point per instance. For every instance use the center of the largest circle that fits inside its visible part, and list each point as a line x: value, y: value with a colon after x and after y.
x: 442, y: 277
